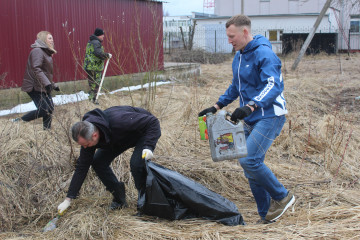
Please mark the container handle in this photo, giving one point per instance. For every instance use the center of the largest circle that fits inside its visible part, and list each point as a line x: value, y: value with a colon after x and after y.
x: 228, y: 114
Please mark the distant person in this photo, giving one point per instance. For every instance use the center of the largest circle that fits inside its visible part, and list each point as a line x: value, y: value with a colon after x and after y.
x: 38, y: 79
x: 94, y: 62
x: 258, y: 83
x: 104, y: 135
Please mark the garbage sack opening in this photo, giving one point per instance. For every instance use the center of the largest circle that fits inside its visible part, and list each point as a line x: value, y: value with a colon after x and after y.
x: 172, y: 196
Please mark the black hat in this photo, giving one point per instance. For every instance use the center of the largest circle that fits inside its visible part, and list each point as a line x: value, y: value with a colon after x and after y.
x: 98, y: 32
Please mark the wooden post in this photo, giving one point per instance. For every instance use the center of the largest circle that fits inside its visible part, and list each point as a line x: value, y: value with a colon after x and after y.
x: 311, y: 34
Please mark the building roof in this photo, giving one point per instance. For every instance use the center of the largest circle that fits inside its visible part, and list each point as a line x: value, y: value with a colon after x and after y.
x: 269, y: 15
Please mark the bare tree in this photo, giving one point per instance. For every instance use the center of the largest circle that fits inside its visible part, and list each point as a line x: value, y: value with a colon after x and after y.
x: 188, y: 45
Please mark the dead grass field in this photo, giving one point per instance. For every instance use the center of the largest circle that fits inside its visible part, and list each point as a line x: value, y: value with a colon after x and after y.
x: 316, y: 156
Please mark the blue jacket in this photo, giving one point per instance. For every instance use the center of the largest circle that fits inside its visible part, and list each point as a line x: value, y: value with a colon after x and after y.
x: 257, y: 76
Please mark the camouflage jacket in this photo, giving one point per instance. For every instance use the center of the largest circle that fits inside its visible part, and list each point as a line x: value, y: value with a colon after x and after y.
x: 95, y: 55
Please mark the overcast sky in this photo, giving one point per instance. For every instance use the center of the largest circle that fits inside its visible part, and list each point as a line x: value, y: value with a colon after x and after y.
x: 183, y: 7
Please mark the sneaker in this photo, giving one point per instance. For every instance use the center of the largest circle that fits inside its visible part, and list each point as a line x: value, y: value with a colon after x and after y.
x: 277, y: 208
x: 16, y: 120
x: 119, y: 200
x: 115, y: 205
x: 263, y: 221
x: 138, y: 214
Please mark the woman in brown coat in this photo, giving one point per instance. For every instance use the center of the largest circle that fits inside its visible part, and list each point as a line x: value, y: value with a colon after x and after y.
x: 38, y: 79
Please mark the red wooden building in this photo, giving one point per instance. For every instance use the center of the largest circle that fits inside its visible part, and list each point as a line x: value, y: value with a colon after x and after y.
x: 133, y: 35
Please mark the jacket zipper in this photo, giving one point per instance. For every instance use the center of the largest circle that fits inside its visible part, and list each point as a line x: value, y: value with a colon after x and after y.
x: 241, y: 98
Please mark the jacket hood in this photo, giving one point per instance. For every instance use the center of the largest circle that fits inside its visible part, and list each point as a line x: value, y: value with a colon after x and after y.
x: 93, y: 37
x: 40, y: 44
x: 256, y: 42
x: 100, y: 120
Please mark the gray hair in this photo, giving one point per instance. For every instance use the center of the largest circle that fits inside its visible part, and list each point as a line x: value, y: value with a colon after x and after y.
x: 83, y: 129
x: 239, y: 21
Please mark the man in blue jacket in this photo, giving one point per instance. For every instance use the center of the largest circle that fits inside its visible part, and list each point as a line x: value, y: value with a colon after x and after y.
x: 104, y: 135
x: 258, y: 83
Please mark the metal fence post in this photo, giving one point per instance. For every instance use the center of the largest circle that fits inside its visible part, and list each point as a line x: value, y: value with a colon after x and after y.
x: 215, y: 41
x: 349, y: 44
x: 169, y: 42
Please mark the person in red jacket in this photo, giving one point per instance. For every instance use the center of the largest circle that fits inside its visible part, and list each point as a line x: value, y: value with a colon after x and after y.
x: 38, y: 79
x: 104, y: 135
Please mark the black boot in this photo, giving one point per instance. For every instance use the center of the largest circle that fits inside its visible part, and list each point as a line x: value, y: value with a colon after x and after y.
x: 119, y: 200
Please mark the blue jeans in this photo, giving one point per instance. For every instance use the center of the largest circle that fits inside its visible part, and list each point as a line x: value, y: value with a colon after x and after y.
x: 263, y: 183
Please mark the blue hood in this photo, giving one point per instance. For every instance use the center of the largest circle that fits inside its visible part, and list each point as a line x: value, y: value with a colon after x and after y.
x: 256, y: 42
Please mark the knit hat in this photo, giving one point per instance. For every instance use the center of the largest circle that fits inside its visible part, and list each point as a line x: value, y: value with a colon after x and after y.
x: 98, y: 32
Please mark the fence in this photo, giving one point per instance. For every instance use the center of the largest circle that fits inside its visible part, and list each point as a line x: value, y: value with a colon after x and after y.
x: 212, y: 38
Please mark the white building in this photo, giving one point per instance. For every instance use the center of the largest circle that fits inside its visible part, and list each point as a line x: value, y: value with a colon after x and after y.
x: 281, y: 20
x: 267, y: 7
x: 343, y: 15
x: 171, y: 30
x: 210, y: 33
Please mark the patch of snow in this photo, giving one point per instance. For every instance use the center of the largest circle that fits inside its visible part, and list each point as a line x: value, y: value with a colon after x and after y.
x: 69, y: 98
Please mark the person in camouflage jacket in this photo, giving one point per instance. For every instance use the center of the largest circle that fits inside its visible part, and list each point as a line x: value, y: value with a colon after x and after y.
x: 94, y: 62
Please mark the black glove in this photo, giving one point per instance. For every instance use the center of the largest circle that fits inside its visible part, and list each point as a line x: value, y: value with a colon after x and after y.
x: 240, y: 113
x: 48, y: 88
x: 205, y: 111
x: 57, y: 88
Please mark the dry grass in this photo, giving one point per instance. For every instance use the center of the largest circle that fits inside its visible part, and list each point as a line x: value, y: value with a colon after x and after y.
x: 316, y: 157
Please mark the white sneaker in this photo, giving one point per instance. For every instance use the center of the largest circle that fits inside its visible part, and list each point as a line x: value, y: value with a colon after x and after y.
x: 278, y: 208
x: 16, y: 120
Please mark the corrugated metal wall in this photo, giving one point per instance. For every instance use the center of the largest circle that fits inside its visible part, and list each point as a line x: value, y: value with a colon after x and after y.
x: 133, y: 34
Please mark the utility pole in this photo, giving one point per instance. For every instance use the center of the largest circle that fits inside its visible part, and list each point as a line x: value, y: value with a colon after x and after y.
x: 242, y: 7
x: 311, y: 34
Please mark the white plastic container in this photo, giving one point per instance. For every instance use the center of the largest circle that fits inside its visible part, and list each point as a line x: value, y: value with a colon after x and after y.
x: 227, y: 139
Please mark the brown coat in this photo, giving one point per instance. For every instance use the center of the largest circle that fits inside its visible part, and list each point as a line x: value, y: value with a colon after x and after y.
x: 39, y: 68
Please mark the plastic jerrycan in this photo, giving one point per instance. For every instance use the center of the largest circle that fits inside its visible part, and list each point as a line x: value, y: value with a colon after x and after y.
x: 226, y: 138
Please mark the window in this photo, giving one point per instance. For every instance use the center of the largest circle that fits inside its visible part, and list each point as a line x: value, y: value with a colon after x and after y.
x: 275, y: 35
x: 355, y: 25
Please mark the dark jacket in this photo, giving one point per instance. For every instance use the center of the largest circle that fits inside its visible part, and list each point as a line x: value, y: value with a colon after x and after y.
x: 39, y: 68
x: 120, y: 128
x: 95, y: 55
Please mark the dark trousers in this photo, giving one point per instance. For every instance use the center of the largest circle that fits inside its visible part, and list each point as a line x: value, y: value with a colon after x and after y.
x: 45, y: 108
x: 103, y: 159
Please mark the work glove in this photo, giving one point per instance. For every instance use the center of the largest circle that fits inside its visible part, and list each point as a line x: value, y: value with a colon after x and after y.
x: 109, y: 55
x: 48, y: 88
x: 147, y: 154
x: 205, y: 111
x: 63, y: 206
x: 57, y: 88
x: 240, y: 113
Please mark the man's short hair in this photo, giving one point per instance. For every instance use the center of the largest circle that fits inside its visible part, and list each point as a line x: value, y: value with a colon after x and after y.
x: 82, y: 129
x: 239, y: 21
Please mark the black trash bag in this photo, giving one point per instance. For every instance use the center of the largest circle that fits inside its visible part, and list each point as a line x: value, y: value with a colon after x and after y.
x: 172, y: 196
